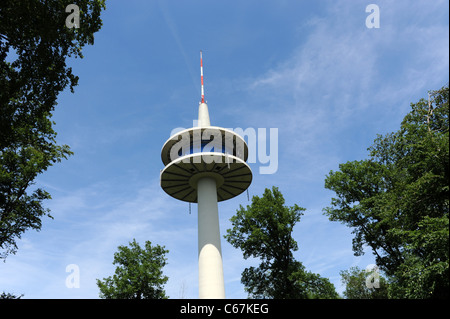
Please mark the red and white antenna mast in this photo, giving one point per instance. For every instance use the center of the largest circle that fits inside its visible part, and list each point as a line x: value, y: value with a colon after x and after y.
x: 201, y: 75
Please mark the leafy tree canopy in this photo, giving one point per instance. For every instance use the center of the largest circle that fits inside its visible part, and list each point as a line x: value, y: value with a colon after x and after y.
x: 355, y: 281
x: 397, y: 201
x: 34, y: 45
x: 138, y: 275
x: 264, y: 230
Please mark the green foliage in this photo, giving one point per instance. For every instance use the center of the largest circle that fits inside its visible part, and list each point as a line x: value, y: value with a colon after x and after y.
x: 138, y: 275
x: 354, y: 280
x: 34, y: 46
x: 397, y: 202
x: 264, y: 230
x: 8, y: 295
x: 314, y: 286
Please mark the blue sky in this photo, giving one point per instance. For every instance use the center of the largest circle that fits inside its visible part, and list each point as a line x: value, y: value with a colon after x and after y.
x: 311, y: 69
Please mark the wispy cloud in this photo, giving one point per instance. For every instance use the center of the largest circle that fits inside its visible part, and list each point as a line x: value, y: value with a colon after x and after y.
x: 174, y: 32
x: 346, y: 77
x: 89, y: 225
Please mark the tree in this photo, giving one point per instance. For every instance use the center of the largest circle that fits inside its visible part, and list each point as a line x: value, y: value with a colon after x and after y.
x: 8, y: 295
x: 397, y: 201
x: 355, y: 279
x: 315, y: 286
x: 34, y: 45
x: 138, y: 275
x: 264, y: 230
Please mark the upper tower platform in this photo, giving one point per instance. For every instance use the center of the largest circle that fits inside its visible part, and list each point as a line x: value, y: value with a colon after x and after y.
x: 205, y: 151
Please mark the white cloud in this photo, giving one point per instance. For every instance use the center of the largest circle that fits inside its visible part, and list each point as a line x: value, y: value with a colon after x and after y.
x: 347, y: 78
x: 87, y: 229
x: 338, y: 67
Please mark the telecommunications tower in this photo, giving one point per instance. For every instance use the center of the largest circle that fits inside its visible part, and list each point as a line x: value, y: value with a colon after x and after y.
x: 205, y: 165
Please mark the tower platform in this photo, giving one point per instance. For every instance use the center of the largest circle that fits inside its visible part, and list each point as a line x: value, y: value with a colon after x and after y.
x: 192, y: 154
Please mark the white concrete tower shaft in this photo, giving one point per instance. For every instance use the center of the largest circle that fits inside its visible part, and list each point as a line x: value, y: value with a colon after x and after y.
x: 210, y: 265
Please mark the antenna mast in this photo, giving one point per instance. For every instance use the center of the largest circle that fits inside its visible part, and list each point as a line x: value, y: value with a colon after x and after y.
x: 201, y: 75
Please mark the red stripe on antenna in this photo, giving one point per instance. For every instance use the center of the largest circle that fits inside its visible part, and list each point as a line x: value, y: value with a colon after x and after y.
x: 201, y: 76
